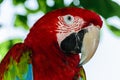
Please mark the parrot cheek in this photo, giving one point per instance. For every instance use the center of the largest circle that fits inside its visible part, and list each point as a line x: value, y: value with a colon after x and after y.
x: 90, y: 43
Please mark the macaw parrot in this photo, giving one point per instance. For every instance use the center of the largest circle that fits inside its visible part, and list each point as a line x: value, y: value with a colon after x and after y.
x: 56, y: 47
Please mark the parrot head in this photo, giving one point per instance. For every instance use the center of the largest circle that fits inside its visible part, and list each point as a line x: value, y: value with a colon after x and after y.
x: 67, y: 32
x: 78, y: 33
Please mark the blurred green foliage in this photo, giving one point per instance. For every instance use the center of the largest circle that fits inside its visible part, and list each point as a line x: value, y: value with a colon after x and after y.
x: 16, y: 2
x: 5, y: 46
x: 106, y: 8
x: 21, y: 21
x: 1, y: 1
x: 114, y: 29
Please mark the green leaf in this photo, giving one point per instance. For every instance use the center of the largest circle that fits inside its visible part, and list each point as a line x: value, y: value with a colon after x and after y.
x: 115, y: 30
x: 106, y: 8
x: 16, y: 2
x: 30, y: 10
x: 59, y: 4
x: 73, y: 4
x: 5, y: 46
x: 1, y: 1
x: 21, y: 21
x: 42, y: 5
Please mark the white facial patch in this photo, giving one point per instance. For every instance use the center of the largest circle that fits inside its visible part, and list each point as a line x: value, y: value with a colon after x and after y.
x: 68, y: 24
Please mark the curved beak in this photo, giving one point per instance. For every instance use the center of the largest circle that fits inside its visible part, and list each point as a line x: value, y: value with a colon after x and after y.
x: 90, y: 43
x: 84, y: 42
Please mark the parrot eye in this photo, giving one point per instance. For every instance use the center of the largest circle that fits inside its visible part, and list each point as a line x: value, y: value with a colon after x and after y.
x: 69, y: 19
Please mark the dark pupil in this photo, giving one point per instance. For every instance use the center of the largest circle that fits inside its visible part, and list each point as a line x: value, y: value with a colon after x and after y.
x: 69, y: 18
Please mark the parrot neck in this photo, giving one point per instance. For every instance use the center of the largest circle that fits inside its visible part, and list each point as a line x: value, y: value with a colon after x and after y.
x: 54, y: 64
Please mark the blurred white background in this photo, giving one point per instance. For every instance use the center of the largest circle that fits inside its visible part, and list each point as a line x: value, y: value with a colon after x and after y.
x: 105, y: 64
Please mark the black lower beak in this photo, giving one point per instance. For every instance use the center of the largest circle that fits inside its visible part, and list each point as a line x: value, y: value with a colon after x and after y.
x: 73, y: 42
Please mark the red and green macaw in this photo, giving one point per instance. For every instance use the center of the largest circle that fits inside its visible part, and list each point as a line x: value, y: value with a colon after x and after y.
x: 57, y: 46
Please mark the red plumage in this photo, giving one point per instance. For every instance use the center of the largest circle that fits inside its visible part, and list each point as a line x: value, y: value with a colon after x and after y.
x: 49, y: 62
x: 14, y: 53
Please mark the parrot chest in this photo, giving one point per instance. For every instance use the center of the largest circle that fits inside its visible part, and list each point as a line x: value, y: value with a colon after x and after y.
x: 49, y: 67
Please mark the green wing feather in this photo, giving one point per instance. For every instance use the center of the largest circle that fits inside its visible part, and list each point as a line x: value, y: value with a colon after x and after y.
x: 82, y: 74
x: 18, y: 70
x: 16, y: 65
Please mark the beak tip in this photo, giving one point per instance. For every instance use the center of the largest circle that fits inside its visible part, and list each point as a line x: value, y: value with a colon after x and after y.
x: 90, y: 44
x: 81, y: 64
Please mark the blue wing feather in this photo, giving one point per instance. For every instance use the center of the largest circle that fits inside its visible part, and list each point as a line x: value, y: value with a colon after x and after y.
x: 28, y: 75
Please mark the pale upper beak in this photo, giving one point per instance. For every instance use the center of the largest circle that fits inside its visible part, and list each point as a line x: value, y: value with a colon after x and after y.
x: 84, y: 42
x: 90, y: 43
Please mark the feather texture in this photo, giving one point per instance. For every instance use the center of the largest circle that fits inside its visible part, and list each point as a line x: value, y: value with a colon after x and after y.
x: 18, y: 65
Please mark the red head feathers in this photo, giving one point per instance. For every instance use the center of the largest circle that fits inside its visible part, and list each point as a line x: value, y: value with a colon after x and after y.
x: 58, y: 37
